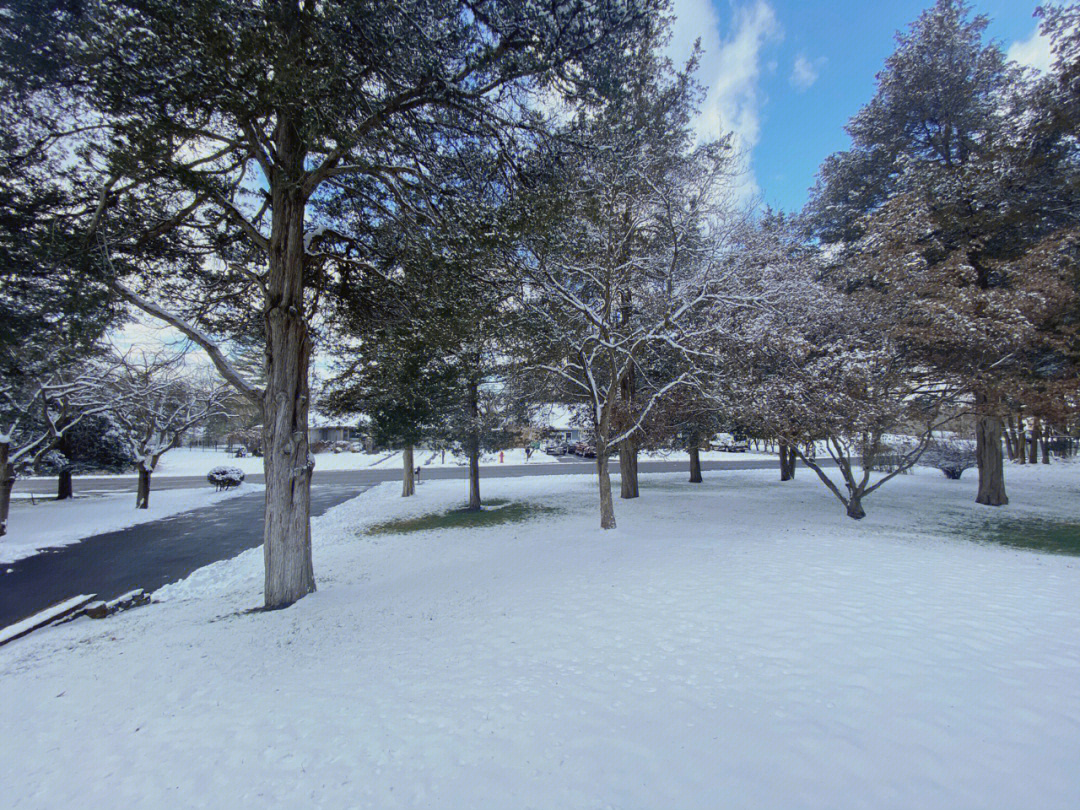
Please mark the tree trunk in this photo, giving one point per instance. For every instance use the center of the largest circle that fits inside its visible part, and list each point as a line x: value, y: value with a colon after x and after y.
x: 63, y: 483
x: 474, y: 476
x: 628, y: 461
x: 628, y: 468
x: 64, y: 488
x: 695, y: 464
x: 1021, y: 443
x: 474, y: 448
x: 607, y: 508
x: 988, y: 429
x: 286, y: 461
x: 7, y: 481
x: 854, y: 507
x: 408, y: 484
x: 1010, y: 439
x: 1036, y: 435
x: 1046, y: 447
x: 787, y: 462
x: 142, y: 495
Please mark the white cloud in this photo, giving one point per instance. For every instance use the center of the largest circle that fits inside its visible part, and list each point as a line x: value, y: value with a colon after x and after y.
x: 1032, y: 52
x: 731, y: 69
x: 805, y: 72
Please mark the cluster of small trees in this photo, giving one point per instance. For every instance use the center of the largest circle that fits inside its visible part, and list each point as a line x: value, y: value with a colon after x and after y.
x: 472, y: 205
x: 108, y: 411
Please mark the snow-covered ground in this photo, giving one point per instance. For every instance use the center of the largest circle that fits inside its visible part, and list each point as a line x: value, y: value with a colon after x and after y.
x: 739, y: 643
x: 44, y: 523
x: 195, y: 461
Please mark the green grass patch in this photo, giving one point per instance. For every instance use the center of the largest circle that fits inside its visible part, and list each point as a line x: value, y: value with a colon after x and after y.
x: 1034, y: 534
x: 494, y: 513
x: 668, y: 485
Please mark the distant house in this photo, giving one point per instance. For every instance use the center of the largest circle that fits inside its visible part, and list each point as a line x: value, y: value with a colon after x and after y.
x: 325, y: 429
x: 559, y: 422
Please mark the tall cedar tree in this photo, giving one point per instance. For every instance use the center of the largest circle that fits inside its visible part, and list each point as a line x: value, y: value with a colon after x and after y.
x: 925, y: 208
x: 426, y: 356
x: 230, y: 122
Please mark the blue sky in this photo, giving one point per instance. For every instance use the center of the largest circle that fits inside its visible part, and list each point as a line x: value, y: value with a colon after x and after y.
x: 787, y: 75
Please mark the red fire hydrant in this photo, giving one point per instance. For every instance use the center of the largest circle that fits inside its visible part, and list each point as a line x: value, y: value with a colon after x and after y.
x: 500, y: 456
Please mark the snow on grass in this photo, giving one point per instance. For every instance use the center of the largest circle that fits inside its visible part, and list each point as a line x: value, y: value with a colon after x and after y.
x: 44, y: 523
x: 195, y: 461
x: 739, y: 643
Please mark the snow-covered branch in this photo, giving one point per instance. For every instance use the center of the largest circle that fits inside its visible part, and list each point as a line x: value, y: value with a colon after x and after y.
x: 217, y: 357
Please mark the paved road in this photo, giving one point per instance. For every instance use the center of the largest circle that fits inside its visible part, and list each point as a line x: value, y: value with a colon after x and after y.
x: 367, y: 477
x: 153, y: 554
x: 145, y: 556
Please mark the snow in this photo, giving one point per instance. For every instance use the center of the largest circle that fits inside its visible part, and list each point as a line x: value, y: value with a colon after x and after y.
x: 318, y: 419
x: 739, y: 643
x: 43, y: 617
x: 184, y: 461
x: 45, y: 523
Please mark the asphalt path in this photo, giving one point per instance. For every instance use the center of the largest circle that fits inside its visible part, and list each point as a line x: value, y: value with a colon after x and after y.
x: 145, y: 556
x: 162, y: 551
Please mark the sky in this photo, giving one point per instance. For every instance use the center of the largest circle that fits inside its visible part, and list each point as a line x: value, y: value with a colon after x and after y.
x: 786, y: 75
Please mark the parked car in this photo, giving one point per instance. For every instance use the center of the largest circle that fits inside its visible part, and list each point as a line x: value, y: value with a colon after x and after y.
x: 556, y: 448
x: 726, y: 443
x: 585, y: 450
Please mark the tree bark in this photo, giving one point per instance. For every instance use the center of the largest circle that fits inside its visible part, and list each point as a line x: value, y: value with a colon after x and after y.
x: 695, y: 464
x: 988, y: 429
x: 473, y: 448
x: 787, y: 462
x: 628, y: 461
x: 142, y: 495
x: 1045, y: 447
x: 287, y: 462
x: 474, y: 476
x: 63, y: 482
x: 1010, y: 439
x: 628, y: 468
x: 607, y: 508
x: 64, y: 489
x: 7, y: 481
x: 854, y: 507
x: 1036, y: 436
x: 408, y: 484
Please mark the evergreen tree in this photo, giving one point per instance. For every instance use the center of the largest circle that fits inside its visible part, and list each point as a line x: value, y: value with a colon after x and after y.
x: 926, y: 208
x: 230, y: 123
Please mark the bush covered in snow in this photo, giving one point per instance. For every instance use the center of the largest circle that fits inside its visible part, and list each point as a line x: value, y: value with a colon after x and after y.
x: 225, y: 477
x: 950, y: 455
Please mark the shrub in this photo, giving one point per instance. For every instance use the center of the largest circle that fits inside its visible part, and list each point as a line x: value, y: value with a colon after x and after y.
x: 225, y: 477
x: 951, y: 456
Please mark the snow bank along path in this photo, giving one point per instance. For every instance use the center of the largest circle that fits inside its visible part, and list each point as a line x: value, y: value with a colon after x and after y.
x: 735, y: 644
